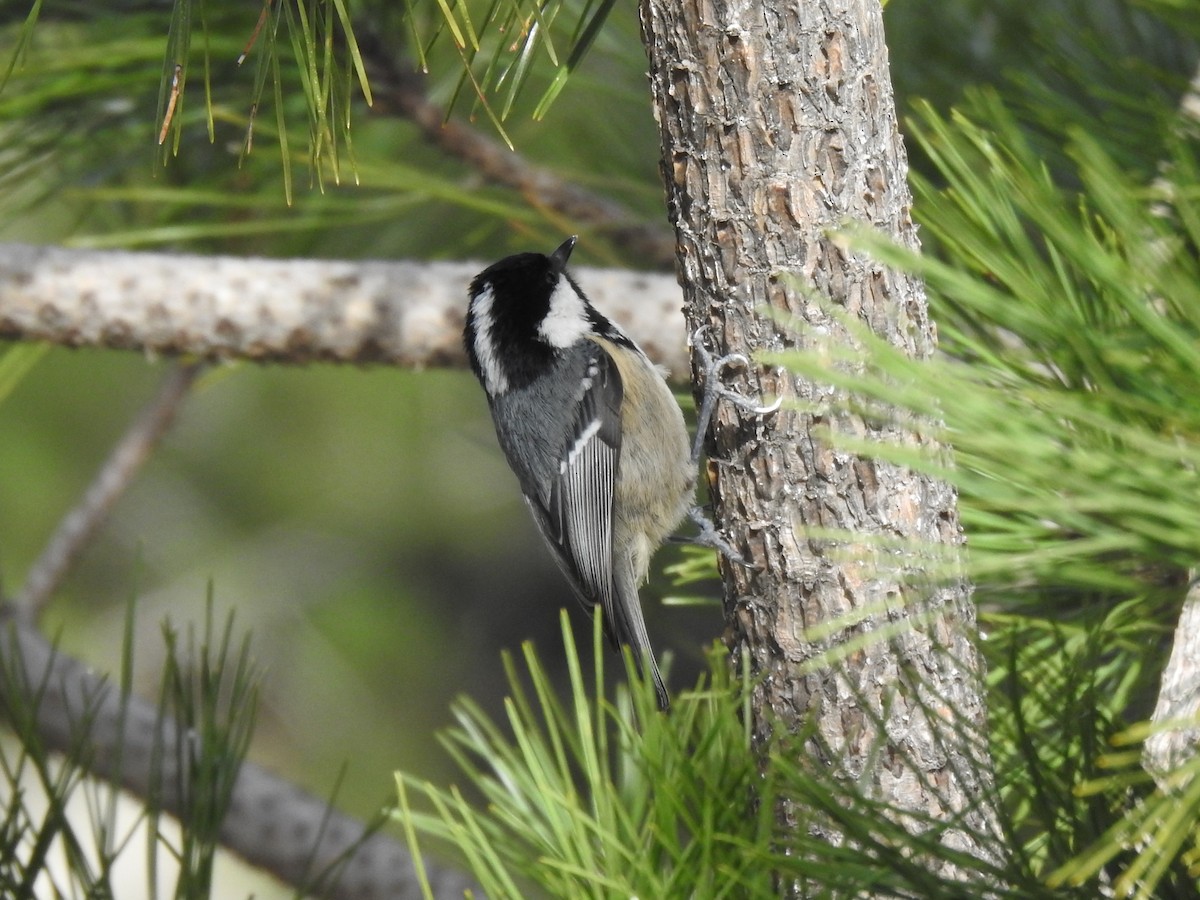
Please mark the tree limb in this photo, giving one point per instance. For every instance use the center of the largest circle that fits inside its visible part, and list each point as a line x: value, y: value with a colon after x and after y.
x: 271, y: 823
x: 80, y: 524
x: 398, y: 87
x: 398, y: 313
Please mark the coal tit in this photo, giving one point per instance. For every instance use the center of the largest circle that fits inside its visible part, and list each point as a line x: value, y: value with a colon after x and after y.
x: 590, y: 428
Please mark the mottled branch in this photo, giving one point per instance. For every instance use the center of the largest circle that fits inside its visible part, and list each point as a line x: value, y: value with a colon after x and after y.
x: 398, y: 313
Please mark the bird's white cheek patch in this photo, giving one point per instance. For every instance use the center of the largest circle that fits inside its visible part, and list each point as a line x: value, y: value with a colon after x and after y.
x: 485, y: 348
x: 566, y: 323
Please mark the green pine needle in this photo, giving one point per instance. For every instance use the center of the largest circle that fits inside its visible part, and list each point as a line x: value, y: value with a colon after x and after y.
x: 601, y: 795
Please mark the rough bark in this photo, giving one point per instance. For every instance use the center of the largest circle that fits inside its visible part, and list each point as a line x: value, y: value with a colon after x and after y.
x: 1177, y: 711
x: 298, y: 310
x: 778, y: 126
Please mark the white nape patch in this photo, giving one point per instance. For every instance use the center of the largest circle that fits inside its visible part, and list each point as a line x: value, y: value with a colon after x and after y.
x: 580, y: 443
x: 485, y: 348
x: 566, y: 324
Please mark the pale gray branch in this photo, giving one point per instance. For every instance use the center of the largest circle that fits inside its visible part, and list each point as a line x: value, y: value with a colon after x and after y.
x: 399, y: 313
x: 271, y: 822
x: 80, y: 524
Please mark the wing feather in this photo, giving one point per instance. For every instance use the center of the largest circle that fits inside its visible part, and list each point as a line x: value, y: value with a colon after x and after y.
x: 577, y: 514
x: 570, y: 488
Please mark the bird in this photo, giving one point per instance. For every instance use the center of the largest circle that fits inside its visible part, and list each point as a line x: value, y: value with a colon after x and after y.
x: 591, y: 430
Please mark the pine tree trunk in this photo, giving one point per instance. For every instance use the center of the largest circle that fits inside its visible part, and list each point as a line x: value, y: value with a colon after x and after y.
x: 778, y: 124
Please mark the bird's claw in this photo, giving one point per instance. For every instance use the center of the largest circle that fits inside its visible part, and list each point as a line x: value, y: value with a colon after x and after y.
x: 714, y: 390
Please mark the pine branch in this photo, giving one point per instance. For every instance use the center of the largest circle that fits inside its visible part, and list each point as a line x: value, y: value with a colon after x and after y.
x: 80, y: 524
x: 399, y: 88
x: 271, y: 823
x: 397, y: 313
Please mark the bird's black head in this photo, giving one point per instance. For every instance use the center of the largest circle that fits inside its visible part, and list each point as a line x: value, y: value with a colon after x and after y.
x: 524, y: 310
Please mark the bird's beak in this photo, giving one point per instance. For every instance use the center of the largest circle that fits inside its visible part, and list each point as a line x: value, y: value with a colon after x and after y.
x: 560, y: 256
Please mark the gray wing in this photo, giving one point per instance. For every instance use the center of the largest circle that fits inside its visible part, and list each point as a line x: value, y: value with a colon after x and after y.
x: 568, y: 473
x: 574, y: 507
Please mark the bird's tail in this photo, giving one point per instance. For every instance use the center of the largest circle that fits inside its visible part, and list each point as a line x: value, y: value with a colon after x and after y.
x: 630, y: 628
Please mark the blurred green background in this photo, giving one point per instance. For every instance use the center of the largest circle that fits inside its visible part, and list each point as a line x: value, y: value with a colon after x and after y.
x: 361, y: 521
